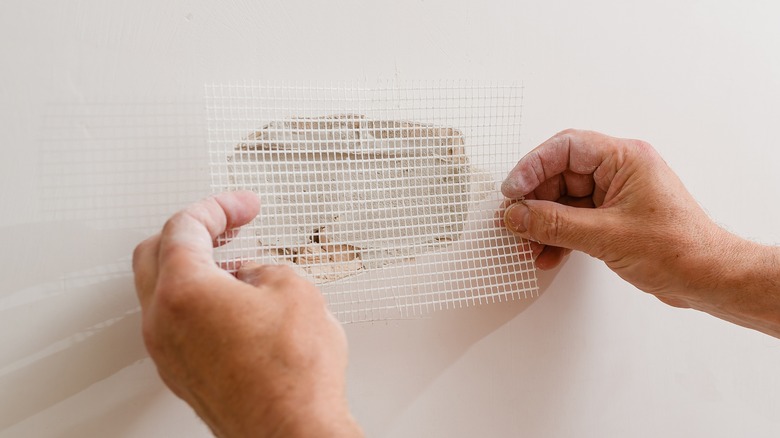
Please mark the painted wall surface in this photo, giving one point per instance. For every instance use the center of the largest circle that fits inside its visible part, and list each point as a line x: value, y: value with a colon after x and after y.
x: 102, y: 128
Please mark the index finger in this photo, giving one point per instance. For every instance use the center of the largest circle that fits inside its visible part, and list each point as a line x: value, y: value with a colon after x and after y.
x: 187, y: 239
x: 581, y: 152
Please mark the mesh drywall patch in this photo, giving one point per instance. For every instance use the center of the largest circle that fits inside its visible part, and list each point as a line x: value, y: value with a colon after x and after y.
x: 385, y: 196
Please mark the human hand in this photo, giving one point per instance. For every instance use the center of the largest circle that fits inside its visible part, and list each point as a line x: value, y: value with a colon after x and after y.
x: 257, y: 354
x: 617, y: 200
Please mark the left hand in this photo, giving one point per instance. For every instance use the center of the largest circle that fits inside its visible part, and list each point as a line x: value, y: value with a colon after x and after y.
x: 257, y: 355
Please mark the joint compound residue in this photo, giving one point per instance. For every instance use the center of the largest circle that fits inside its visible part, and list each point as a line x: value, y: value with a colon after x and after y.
x: 341, y: 194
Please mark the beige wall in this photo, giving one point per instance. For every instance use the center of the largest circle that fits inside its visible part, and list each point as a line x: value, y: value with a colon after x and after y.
x: 102, y: 133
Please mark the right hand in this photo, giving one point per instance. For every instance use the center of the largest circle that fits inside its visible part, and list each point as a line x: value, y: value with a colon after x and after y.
x: 639, y: 218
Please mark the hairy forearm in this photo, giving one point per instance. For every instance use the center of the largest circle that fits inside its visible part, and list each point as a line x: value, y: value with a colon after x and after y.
x: 334, y: 424
x: 301, y: 418
x: 744, y: 287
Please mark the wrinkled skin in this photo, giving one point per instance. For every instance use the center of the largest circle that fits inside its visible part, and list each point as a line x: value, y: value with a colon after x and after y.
x: 617, y: 200
x: 255, y: 355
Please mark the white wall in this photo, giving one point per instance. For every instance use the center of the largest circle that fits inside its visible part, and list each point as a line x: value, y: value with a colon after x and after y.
x: 102, y: 119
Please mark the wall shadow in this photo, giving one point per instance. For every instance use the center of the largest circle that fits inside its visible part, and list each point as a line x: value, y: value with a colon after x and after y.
x: 411, y: 354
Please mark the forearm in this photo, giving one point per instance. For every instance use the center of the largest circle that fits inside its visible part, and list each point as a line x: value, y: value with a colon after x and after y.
x: 327, y: 422
x: 295, y: 425
x: 744, y: 287
x: 295, y: 417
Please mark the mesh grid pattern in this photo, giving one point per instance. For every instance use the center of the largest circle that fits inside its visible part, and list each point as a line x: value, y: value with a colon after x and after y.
x: 384, y: 196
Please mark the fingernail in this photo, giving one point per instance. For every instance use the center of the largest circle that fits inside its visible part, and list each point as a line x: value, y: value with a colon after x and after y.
x: 516, y: 184
x: 516, y: 217
x: 511, y: 187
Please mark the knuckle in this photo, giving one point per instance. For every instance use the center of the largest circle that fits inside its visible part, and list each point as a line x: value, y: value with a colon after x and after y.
x: 284, y: 277
x: 567, y: 132
x: 138, y: 253
x: 248, y: 274
x: 562, y: 138
x: 173, y: 297
x: 546, y: 228
x: 305, y: 287
x: 176, y: 253
x: 144, y: 249
x: 172, y: 222
x: 306, y: 291
x: 274, y: 273
x: 641, y: 144
x: 282, y: 270
x: 198, y: 212
x: 566, y: 136
x: 642, y: 147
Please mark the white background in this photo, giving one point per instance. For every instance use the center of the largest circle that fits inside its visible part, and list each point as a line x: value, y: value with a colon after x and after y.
x: 102, y: 119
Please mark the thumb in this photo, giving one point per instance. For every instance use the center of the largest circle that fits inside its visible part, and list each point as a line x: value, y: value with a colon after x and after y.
x: 554, y: 224
x: 251, y: 273
x: 258, y: 274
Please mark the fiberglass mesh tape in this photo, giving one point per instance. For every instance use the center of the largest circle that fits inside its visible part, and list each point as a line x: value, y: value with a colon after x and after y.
x: 384, y: 196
